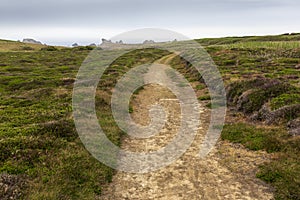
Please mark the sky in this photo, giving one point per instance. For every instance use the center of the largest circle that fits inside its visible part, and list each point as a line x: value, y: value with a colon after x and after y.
x: 64, y: 22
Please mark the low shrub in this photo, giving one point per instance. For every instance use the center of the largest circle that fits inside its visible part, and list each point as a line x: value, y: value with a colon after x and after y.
x: 49, y: 48
x: 27, y: 48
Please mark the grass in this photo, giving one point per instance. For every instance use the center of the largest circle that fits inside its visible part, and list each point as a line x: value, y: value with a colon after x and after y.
x: 283, y: 174
x: 285, y: 100
x: 12, y: 46
x: 268, y: 44
x: 233, y: 40
x: 245, y: 59
x: 200, y: 87
x: 38, y: 139
x: 204, y: 98
x: 254, y: 138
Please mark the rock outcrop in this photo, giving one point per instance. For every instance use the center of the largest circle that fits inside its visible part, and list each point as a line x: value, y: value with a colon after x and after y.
x: 12, y: 186
x: 149, y: 42
x: 31, y: 41
x: 109, y: 44
x: 275, y: 116
x: 294, y: 127
x: 92, y: 45
x: 105, y: 41
x: 119, y: 42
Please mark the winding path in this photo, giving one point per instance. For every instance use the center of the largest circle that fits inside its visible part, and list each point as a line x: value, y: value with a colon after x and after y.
x: 226, y: 173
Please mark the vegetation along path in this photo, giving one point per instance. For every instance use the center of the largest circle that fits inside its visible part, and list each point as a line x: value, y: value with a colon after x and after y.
x: 228, y: 172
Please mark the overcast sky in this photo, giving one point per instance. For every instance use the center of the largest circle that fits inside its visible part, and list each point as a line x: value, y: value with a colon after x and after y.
x: 63, y: 22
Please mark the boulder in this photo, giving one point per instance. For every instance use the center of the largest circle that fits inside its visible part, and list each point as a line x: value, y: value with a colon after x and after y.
x: 294, y: 127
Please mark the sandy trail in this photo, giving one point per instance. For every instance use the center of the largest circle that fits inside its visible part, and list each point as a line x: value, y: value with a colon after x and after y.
x: 228, y: 172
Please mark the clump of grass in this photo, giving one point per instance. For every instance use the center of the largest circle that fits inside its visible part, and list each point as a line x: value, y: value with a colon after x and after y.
x: 254, y: 138
x: 27, y: 48
x: 49, y: 48
x: 285, y: 100
x: 200, y: 86
x: 228, y: 62
x: 204, y: 98
x: 83, y: 48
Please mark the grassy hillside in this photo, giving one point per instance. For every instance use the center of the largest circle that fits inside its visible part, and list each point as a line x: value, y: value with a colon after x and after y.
x: 41, y: 156
x: 13, y: 46
x: 245, y: 39
x: 7, y: 45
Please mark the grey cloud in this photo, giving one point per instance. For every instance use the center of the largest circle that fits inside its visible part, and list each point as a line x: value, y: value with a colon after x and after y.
x: 30, y: 16
x: 106, y: 12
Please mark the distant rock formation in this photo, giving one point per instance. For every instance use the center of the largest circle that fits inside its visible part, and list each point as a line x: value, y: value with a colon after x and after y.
x: 105, y: 41
x: 92, y: 45
x: 75, y: 45
x: 31, y: 41
x: 119, y: 42
x: 109, y: 44
x: 149, y: 42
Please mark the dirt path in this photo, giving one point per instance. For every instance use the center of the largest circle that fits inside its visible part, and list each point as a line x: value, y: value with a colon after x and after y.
x: 227, y: 173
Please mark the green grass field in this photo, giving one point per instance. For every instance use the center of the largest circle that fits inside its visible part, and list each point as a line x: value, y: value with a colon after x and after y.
x: 40, y: 150
x: 38, y: 140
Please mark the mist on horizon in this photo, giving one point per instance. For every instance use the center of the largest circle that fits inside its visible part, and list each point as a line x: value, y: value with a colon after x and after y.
x: 66, y: 22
